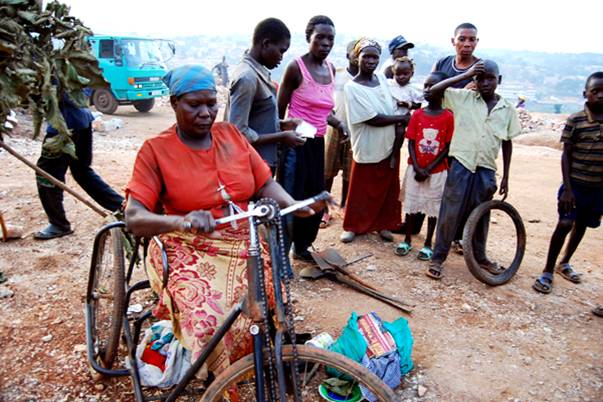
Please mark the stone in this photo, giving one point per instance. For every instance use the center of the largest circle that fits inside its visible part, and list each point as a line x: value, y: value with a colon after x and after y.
x: 5, y: 293
x: 47, y: 338
x: 80, y: 348
x: 421, y: 391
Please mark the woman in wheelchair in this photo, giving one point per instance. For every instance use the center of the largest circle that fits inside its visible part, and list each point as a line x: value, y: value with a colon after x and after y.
x: 184, y: 178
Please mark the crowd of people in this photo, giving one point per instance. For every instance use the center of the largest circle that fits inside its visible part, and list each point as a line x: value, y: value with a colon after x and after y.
x: 359, y: 117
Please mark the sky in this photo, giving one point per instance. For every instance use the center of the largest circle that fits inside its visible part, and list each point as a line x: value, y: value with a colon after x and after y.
x: 535, y: 25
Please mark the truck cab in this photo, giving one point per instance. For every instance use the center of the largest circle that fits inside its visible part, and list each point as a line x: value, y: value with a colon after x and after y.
x: 134, y: 68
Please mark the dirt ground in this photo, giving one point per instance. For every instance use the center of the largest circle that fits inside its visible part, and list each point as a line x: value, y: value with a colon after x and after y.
x: 471, y: 342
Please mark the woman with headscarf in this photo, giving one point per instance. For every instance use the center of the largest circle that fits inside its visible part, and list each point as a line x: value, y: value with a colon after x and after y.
x: 194, y: 172
x: 376, y: 137
x: 307, y: 93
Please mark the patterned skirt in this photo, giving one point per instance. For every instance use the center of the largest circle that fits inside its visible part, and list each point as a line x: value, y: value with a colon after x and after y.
x: 207, y: 276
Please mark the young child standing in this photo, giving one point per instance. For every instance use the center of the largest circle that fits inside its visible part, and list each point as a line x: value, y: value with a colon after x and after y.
x: 429, y: 133
x: 483, y: 122
x: 581, y: 194
x: 406, y: 97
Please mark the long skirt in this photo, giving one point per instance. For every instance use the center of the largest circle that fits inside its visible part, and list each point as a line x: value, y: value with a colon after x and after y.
x: 207, y: 276
x: 373, y: 203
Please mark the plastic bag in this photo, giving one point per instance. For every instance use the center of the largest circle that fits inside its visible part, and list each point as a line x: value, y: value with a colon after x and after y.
x: 159, y: 341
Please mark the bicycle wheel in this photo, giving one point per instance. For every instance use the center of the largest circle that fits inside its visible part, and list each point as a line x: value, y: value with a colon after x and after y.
x: 107, y: 296
x: 483, y: 275
x: 312, y: 367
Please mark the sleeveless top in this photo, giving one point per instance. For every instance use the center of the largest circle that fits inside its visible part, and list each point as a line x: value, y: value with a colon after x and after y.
x: 447, y: 66
x: 313, y: 101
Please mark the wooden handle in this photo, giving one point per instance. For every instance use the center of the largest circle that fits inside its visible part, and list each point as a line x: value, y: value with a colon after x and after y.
x: 51, y: 179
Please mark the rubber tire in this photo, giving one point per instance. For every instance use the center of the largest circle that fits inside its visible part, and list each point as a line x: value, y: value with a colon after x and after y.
x: 104, y: 101
x: 469, y: 232
x: 308, y: 354
x: 112, y: 338
x: 145, y: 105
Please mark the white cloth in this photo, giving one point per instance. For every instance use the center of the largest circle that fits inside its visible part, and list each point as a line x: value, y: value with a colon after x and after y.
x: 407, y: 93
x: 342, y: 76
x: 370, y: 144
x: 423, y: 197
x: 387, y: 63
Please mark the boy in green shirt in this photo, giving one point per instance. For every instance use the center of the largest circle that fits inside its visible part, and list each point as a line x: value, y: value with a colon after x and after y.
x: 484, y: 122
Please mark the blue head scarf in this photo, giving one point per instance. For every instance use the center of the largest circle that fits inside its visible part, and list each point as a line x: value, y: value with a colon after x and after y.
x: 184, y: 79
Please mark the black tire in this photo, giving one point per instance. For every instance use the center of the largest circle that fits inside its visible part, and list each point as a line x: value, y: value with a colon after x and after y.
x: 484, y: 275
x: 108, y: 297
x: 104, y: 101
x: 145, y: 105
x: 241, y: 375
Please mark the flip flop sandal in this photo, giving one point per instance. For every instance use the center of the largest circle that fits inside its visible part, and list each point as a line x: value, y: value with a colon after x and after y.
x: 544, y: 284
x: 51, y: 232
x: 435, y: 271
x: 402, y: 249
x: 325, y: 221
x: 492, y: 267
x: 457, y: 247
x: 598, y: 311
x: 425, y: 254
x: 567, y: 271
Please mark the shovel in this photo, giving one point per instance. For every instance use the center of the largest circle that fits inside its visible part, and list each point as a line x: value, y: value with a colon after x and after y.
x: 338, y: 274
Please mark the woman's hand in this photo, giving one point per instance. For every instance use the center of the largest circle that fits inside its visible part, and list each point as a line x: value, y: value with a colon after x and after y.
x: 198, y: 222
x: 312, y: 209
x: 344, y: 133
x: 292, y: 139
x: 290, y: 124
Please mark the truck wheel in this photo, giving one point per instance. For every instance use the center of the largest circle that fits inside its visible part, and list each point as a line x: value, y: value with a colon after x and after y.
x: 104, y: 101
x: 144, y: 105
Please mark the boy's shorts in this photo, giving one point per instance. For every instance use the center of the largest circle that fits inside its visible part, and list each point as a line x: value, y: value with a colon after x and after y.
x: 589, y: 205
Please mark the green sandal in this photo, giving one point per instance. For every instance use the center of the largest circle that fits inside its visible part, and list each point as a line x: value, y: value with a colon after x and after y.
x: 425, y: 254
x: 403, y: 249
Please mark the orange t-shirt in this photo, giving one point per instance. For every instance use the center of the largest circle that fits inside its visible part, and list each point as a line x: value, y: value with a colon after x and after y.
x: 170, y: 174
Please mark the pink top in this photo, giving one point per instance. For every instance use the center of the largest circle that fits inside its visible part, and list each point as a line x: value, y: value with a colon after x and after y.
x: 313, y: 101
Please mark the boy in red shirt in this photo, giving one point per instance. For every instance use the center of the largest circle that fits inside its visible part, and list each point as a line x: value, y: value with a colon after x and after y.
x: 429, y: 133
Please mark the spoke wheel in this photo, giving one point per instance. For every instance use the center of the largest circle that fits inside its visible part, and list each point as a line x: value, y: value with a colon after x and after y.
x: 312, y: 363
x: 108, y: 297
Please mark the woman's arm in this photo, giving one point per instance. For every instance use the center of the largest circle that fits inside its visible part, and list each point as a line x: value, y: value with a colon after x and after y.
x: 383, y: 120
x: 291, y: 81
x: 144, y: 223
x: 274, y: 190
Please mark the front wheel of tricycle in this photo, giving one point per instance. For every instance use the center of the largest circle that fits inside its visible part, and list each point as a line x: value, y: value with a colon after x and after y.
x: 312, y: 364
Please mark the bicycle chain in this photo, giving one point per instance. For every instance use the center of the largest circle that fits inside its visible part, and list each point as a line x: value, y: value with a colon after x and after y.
x: 265, y: 312
x: 276, y: 222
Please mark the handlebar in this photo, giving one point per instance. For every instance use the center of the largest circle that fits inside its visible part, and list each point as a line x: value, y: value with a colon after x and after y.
x: 266, y: 211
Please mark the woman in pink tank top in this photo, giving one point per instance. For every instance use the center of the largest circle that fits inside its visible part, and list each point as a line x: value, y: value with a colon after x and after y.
x: 307, y: 92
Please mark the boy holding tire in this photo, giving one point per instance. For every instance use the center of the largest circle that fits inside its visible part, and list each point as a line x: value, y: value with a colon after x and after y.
x: 580, y: 197
x: 483, y: 123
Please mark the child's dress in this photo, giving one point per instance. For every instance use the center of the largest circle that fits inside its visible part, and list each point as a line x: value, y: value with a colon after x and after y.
x: 431, y: 134
x: 406, y: 93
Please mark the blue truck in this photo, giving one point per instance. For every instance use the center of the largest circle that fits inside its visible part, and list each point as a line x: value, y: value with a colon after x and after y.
x: 134, y: 67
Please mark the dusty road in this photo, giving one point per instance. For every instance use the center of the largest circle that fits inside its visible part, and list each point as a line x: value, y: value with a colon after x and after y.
x: 472, y: 342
